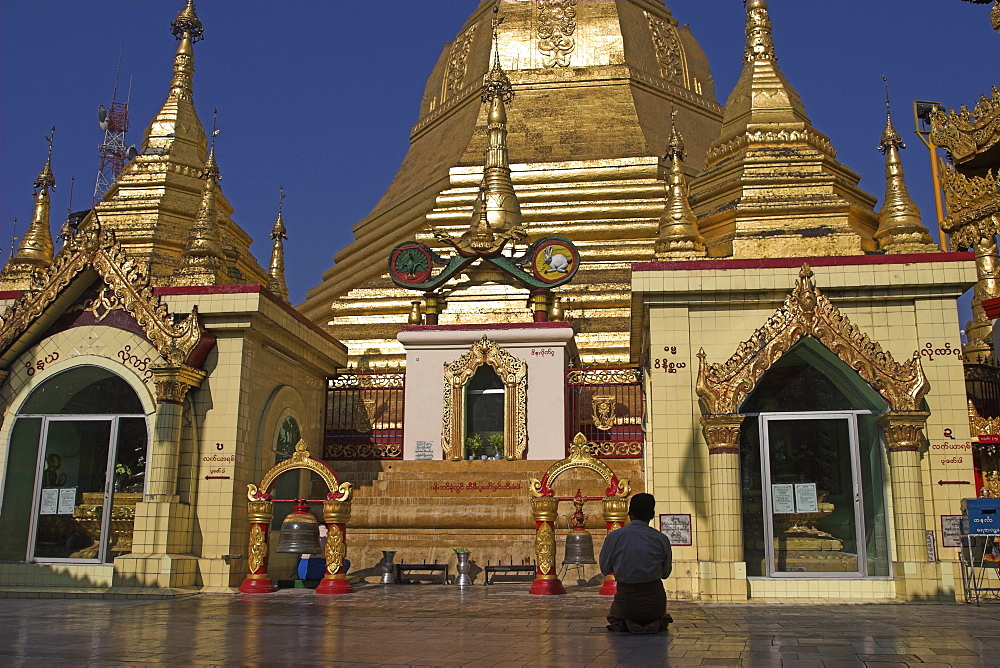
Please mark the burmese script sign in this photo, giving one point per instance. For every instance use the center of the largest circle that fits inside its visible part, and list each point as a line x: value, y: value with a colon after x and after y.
x: 477, y: 487
x: 677, y: 528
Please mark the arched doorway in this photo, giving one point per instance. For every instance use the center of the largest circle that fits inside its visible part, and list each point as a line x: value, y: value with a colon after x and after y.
x: 813, y: 490
x: 77, y: 467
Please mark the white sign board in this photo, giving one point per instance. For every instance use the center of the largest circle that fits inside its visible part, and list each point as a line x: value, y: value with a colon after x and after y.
x: 782, y: 499
x: 67, y: 500
x: 805, y: 498
x: 50, y: 501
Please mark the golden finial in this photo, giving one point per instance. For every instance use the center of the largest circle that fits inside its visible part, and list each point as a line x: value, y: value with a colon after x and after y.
x: 899, y: 227
x: 188, y: 29
x: 760, y: 45
x: 677, y: 236
x: 204, y: 259
x: 496, y: 84
x: 276, y: 274
x: 889, y: 136
x: 498, y: 219
x: 36, y: 250
x: 45, y: 178
x: 187, y: 24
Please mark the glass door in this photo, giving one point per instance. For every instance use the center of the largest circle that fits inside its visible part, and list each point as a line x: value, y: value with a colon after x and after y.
x: 73, y: 489
x: 813, y: 522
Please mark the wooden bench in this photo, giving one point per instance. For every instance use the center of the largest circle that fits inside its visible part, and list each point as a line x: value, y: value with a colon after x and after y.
x: 509, y: 569
x: 431, y: 572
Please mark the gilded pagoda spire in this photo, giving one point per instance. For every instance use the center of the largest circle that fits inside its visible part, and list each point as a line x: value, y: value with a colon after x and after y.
x: 497, y: 218
x: 678, y: 235
x: 768, y: 162
x: 36, y: 249
x: 899, y: 226
x: 204, y: 261
x: 276, y: 273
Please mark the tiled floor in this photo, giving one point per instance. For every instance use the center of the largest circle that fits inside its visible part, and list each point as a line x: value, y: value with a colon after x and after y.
x: 484, y: 626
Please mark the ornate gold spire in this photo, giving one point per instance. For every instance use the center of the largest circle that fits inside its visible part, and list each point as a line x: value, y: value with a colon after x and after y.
x: 276, y: 274
x: 772, y: 186
x: 899, y: 226
x: 35, y: 250
x: 203, y: 257
x: 497, y: 217
x: 678, y: 235
x: 760, y: 46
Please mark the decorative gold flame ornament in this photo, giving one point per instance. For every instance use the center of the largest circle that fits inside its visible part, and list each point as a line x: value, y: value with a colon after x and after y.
x: 603, y: 408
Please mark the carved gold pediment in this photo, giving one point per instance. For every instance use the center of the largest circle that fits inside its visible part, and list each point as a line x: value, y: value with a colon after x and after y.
x: 807, y: 312
x: 125, y: 287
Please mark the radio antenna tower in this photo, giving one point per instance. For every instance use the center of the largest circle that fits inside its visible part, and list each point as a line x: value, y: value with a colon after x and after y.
x: 114, y: 121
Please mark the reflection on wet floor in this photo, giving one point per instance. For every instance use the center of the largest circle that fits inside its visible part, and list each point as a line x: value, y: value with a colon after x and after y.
x: 484, y: 626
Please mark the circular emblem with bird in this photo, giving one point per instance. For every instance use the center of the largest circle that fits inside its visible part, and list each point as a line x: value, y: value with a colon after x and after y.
x: 410, y: 263
x: 555, y: 260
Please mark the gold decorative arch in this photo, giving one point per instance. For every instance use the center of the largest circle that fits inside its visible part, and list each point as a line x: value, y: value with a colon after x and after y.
x: 807, y: 312
x: 300, y: 459
x: 579, y: 457
x: 514, y: 374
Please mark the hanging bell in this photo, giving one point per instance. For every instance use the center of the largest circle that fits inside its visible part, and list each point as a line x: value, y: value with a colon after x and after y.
x: 300, y: 532
x: 579, y: 547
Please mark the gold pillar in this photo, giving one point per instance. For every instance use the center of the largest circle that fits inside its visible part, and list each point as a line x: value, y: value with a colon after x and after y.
x: 257, y: 580
x: 615, y: 517
x: 902, y: 432
x: 336, y: 514
x: 722, y: 433
x: 544, y: 510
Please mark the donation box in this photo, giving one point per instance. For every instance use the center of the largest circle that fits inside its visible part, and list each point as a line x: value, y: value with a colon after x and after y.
x: 982, y: 515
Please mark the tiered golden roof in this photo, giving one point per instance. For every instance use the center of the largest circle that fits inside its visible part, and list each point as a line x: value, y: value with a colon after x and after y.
x: 35, y: 250
x: 585, y: 138
x: 772, y: 186
x: 156, y: 199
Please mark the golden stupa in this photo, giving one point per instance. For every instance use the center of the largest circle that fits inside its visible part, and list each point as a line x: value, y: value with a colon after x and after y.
x: 595, y: 86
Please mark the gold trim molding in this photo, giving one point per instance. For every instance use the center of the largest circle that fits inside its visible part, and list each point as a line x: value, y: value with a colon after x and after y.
x: 514, y: 374
x: 98, y: 251
x: 807, y: 312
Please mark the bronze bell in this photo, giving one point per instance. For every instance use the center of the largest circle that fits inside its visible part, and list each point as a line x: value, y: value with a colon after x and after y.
x: 579, y: 547
x: 300, y: 532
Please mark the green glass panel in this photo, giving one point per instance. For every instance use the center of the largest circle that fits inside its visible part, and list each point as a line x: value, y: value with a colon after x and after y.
x: 83, y: 390
x: 873, y: 496
x: 18, y: 488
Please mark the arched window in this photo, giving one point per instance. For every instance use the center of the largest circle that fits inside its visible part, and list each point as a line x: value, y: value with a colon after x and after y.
x: 287, y: 486
x: 76, y: 468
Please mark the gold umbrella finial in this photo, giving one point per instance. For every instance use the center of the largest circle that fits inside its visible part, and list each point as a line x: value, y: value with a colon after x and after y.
x: 187, y: 24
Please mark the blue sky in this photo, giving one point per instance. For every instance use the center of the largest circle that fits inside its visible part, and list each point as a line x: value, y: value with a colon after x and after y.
x: 320, y: 96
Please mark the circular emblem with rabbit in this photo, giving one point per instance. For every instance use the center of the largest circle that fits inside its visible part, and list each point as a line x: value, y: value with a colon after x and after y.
x: 555, y: 260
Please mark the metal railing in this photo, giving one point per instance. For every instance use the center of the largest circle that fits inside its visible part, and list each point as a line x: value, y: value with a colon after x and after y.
x: 606, y: 405
x: 364, y: 416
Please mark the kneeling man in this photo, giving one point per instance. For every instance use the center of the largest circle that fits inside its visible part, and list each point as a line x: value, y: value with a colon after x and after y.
x: 639, y: 556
